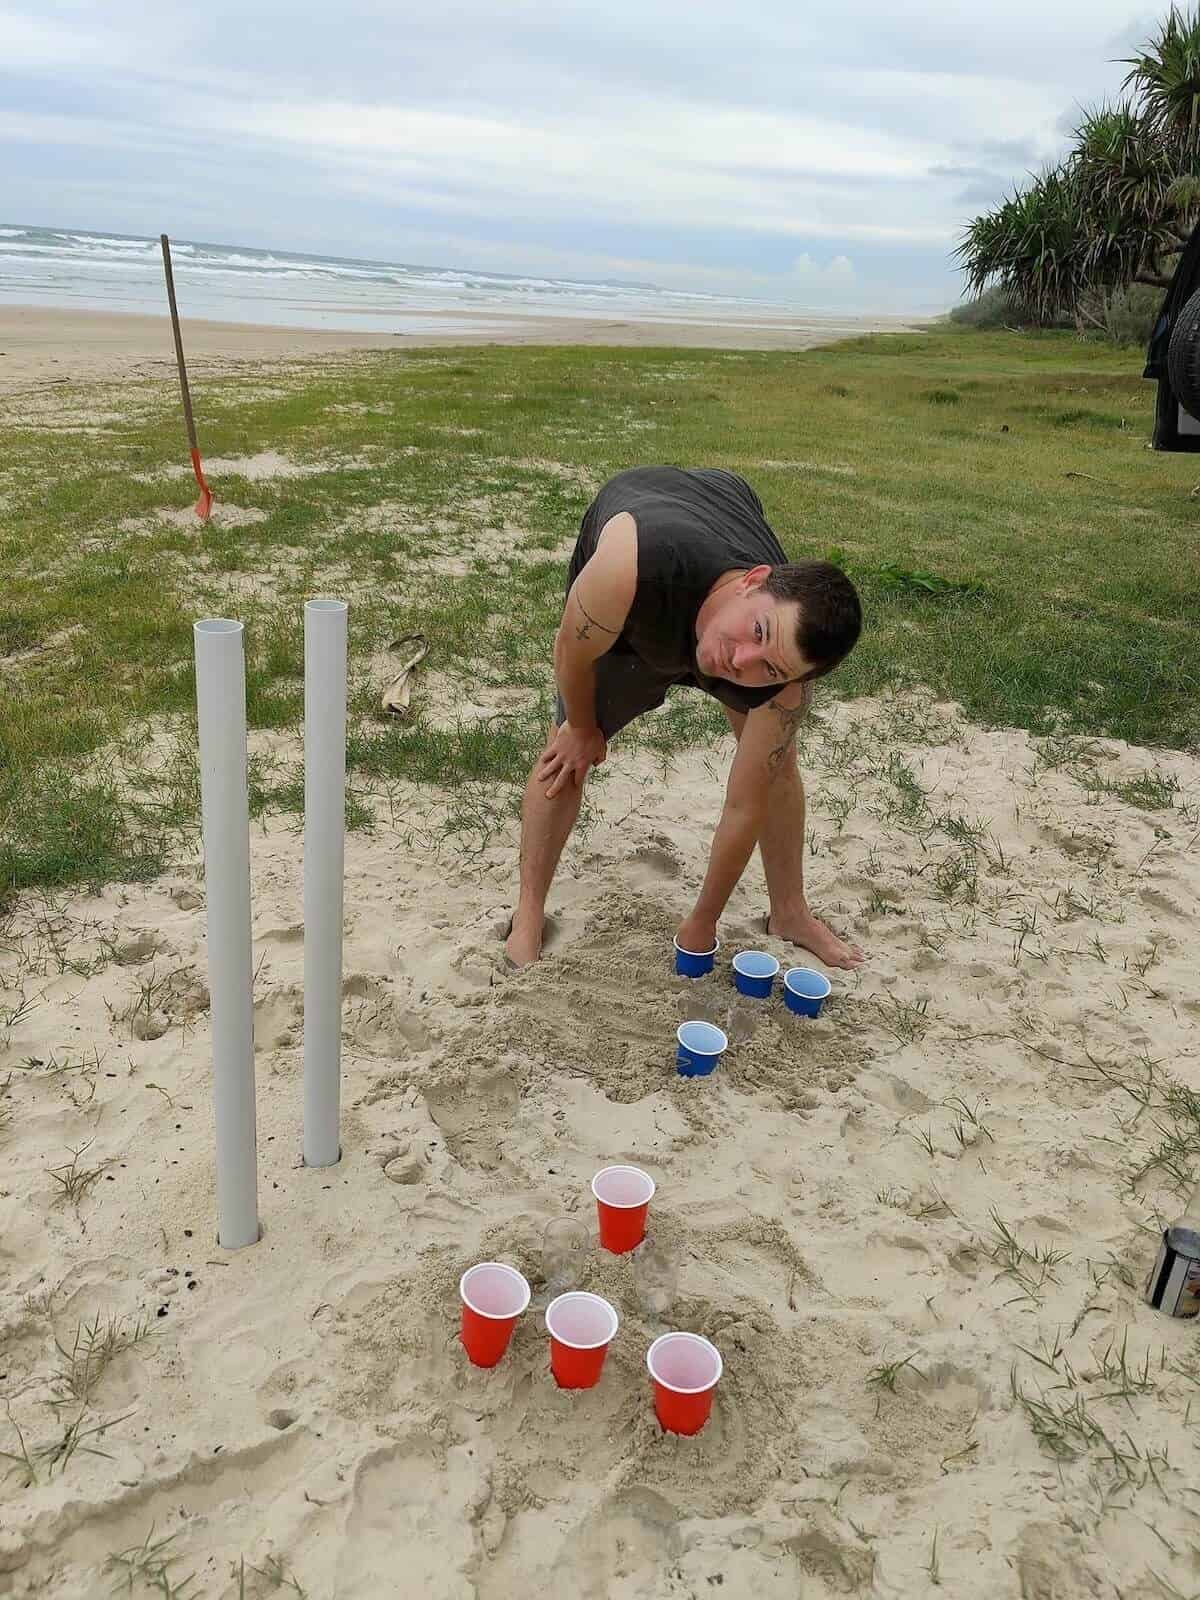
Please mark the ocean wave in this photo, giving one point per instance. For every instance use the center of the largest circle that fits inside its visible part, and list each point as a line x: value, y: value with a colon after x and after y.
x: 250, y: 284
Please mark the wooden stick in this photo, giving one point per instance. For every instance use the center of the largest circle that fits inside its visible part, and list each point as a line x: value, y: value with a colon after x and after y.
x: 183, y: 383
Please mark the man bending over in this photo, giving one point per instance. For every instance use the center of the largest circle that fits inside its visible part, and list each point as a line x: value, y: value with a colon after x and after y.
x: 677, y: 578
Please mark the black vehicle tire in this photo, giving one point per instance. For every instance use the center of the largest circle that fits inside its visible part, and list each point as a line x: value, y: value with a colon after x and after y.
x: 1183, y: 356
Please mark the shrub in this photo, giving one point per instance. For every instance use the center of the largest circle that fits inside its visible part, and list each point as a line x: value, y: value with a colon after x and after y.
x: 997, y: 308
x: 1131, y: 313
x: 994, y: 308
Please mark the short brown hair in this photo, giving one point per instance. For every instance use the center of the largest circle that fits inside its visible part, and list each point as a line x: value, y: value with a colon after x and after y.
x: 830, y: 613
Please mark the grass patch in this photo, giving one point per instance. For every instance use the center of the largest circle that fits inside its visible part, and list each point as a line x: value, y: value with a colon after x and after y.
x: 148, y: 1565
x: 94, y: 1347
x: 983, y: 484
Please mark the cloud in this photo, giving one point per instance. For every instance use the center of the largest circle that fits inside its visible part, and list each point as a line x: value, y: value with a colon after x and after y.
x: 828, y: 150
x: 668, y: 164
x: 954, y: 169
x: 34, y: 43
x: 1136, y: 34
x: 839, y: 270
x: 1067, y: 121
x: 982, y: 196
x: 1020, y: 153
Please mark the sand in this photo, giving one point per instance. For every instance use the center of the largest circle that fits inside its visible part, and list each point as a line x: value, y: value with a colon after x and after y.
x: 831, y: 1196
x: 913, y: 1404
x: 41, y: 347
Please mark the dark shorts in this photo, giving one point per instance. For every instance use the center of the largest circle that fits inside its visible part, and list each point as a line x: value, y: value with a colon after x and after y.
x: 625, y: 689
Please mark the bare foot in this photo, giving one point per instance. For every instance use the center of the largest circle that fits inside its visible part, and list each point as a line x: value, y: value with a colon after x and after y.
x: 524, y: 942
x: 814, y: 936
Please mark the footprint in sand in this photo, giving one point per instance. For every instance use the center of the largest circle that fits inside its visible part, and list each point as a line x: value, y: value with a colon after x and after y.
x: 894, y: 1094
x: 277, y: 1016
x: 825, y: 1552
x: 142, y: 946
x: 551, y: 930
x: 372, y: 1019
x: 473, y: 1117
x: 663, y: 862
x: 402, y: 1165
x: 861, y: 1136
x: 186, y: 897
x: 1158, y: 901
x: 388, y: 1507
x: 149, y: 1025
x: 956, y: 1386
x: 630, y: 1538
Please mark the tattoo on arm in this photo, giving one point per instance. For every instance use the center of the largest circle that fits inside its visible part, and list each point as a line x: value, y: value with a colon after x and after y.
x: 584, y: 629
x: 790, y: 718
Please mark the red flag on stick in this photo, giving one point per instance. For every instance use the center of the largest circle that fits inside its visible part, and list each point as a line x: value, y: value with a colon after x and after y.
x: 204, y: 504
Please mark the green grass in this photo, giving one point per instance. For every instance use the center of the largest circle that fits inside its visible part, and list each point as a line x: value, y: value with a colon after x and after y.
x: 1017, y: 547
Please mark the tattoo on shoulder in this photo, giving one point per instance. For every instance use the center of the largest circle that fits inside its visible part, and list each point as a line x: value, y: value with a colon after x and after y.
x: 584, y: 629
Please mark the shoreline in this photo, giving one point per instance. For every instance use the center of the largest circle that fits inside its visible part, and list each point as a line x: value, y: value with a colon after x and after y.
x: 41, y: 343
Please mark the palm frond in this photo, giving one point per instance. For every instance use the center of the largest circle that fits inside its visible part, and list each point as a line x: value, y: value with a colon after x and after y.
x: 1165, y: 76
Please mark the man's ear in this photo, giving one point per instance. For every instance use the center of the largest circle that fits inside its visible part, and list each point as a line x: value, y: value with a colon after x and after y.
x: 755, y: 578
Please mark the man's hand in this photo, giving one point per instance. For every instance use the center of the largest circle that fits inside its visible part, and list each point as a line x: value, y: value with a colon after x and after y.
x: 697, y: 933
x: 569, y: 756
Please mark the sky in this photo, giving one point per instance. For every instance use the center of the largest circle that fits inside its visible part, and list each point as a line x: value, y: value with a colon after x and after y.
x: 824, y: 155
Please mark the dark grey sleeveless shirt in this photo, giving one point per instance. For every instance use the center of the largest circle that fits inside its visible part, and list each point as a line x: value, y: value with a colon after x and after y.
x: 693, y: 524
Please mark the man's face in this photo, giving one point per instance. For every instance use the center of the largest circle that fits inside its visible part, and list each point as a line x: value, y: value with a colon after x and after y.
x: 750, y: 638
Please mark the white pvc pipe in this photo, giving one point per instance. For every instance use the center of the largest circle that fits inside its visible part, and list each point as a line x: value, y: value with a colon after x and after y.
x: 324, y: 862
x: 225, y: 812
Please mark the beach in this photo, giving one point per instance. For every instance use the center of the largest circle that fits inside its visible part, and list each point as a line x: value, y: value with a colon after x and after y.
x: 50, y: 344
x: 836, y: 1198
x: 917, y: 1227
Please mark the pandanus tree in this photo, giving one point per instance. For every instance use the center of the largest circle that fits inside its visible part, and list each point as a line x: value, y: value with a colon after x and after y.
x: 1166, y: 75
x: 1120, y: 205
x: 1030, y: 246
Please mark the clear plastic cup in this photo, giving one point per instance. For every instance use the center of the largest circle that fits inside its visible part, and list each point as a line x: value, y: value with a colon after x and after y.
x: 655, y: 1277
x: 564, y: 1255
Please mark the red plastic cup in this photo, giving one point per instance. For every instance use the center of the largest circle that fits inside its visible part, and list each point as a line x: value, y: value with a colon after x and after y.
x: 493, y: 1297
x: 685, y: 1370
x: 581, y: 1328
x: 623, y: 1196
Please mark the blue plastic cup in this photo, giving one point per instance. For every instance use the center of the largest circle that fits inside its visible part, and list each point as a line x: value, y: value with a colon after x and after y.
x: 754, y: 972
x: 805, y: 991
x: 700, y: 1048
x: 694, y: 963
